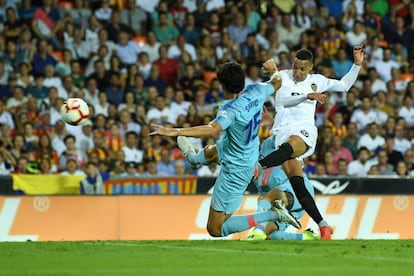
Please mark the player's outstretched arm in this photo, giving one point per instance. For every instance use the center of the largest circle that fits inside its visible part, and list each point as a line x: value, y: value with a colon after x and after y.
x: 204, y: 131
x: 347, y: 81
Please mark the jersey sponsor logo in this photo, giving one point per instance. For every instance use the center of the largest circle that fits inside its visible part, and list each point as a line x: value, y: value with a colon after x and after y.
x: 296, y: 94
x: 304, y: 133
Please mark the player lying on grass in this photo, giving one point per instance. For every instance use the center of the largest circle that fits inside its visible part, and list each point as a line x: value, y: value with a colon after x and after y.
x: 272, y: 185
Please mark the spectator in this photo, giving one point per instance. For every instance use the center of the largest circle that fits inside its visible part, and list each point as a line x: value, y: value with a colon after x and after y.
x: 384, y: 167
x: 331, y: 41
x: 393, y: 156
x: 134, y: 17
x: 155, y: 84
x: 165, y: 32
x: 6, y: 117
x: 407, y: 111
x: 339, y: 151
x: 364, y: 115
x: 372, y: 140
x: 101, y: 75
x: 409, y: 161
x: 44, y: 152
x: 126, y: 123
x: 401, y: 170
x: 71, y: 153
x: 289, y: 33
x: 114, y: 91
x: 131, y: 150
x: 179, y: 167
x: 357, y: 35
x: 179, y: 13
x: 238, y: 30
x: 179, y: 106
x: 131, y: 170
x: 143, y: 66
x: 16, y: 149
x: 150, y: 168
x: 127, y: 49
x: 351, y: 141
x: 337, y: 125
x: 94, y: 181
x: 22, y: 166
x: 168, y: 67
x: 104, y: 12
x: 104, y: 41
x: 385, y: 65
x: 341, y: 64
x: 79, y: 47
x: 160, y: 114
x: 18, y: 100
x: 190, y: 30
x: 151, y: 47
x: 72, y: 168
x: 42, y: 58
x: 401, y: 144
x: 51, y: 80
x: 84, y: 140
x: 165, y: 166
x: 360, y: 166
x: 161, y: 8
x: 58, y: 137
x: 5, y: 164
x: 47, y: 23
x: 330, y: 167
x: 176, y: 49
x: 342, y: 168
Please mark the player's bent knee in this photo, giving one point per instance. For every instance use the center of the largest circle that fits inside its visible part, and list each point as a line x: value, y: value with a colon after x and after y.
x: 214, y: 230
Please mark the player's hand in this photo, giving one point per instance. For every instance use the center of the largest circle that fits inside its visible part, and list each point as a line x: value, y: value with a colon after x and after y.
x: 359, y: 54
x: 162, y: 130
x: 317, y: 97
x: 269, y: 66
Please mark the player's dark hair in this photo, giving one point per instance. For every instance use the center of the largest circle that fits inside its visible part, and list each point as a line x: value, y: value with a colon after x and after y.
x: 231, y: 76
x: 304, y: 54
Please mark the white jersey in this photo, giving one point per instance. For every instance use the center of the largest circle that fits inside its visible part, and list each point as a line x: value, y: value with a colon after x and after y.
x: 292, y: 107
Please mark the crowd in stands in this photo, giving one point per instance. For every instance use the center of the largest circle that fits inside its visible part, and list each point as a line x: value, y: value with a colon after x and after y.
x: 138, y: 62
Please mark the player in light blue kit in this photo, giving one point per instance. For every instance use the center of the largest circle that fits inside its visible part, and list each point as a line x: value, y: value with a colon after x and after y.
x: 237, y: 123
x: 273, y: 184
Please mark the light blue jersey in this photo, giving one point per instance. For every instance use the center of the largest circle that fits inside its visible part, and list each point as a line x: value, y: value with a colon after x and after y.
x: 275, y: 178
x: 240, y: 119
x: 238, y: 148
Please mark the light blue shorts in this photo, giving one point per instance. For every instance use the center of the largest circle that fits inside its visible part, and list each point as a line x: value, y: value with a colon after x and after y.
x: 229, y: 189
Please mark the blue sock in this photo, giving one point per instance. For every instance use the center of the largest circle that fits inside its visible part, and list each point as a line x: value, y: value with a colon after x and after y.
x: 197, y: 158
x: 282, y: 235
x: 240, y: 223
x: 263, y: 205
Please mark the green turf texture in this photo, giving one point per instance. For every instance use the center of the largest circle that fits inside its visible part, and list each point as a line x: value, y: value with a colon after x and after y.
x: 218, y: 257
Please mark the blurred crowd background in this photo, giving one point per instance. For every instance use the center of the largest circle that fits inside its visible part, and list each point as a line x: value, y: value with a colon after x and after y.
x: 138, y: 62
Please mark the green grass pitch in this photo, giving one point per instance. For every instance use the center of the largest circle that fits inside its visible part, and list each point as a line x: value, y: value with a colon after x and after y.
x: 212, y: 257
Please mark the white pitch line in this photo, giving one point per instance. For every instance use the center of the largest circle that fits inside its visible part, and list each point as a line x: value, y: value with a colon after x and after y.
x: 213, y: 249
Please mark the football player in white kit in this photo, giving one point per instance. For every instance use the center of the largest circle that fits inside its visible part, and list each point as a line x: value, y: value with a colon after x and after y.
x: 294, y: 124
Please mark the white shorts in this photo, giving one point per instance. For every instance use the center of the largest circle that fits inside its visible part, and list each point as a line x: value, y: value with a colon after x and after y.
x: 309, y: 134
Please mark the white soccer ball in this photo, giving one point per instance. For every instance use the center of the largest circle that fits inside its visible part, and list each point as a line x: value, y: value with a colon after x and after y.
x: 74, y: 111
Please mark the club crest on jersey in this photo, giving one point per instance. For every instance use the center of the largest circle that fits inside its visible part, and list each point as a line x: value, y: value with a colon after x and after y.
x: 304, y: 133
x: 314, y: 87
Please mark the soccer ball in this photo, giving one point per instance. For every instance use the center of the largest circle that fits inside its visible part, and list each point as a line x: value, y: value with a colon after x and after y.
x: 74, y: 111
